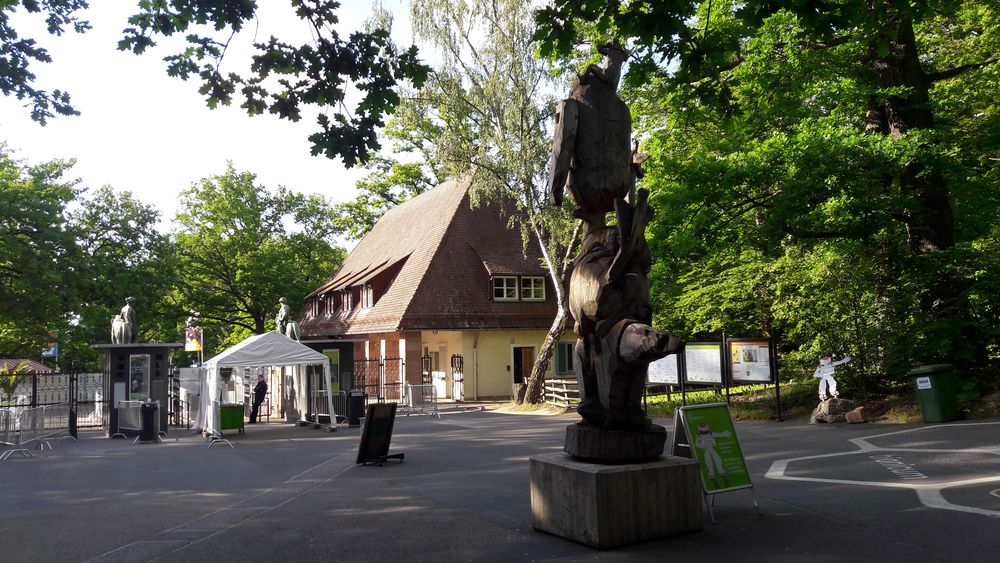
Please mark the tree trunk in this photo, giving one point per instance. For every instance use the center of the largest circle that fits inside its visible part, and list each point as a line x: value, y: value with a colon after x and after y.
x: 534, y: 389
x: 928, y: 218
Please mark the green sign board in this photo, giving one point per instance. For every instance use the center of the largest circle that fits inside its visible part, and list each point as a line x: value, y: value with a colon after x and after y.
x: 706, y: 433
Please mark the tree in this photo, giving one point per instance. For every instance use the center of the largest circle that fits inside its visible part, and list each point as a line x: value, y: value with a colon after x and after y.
x: 238, y: 253
x: 35, y: 244
x: 120, y: 253
x: 283, y: 79
x: 492, y: 100
x: 805, y: 142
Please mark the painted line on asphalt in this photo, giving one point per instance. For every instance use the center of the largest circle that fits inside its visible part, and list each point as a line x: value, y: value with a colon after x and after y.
x: 929, y: 494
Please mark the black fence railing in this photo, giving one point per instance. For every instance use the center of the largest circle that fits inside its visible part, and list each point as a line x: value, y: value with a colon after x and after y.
x: 380, y: 379
x: 85, y: 395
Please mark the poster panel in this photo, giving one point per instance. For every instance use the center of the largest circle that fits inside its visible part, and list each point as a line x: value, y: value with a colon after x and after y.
x: 750, y: 361
x: 138, y: 377
x: 334, y: 356
x: 713, y: 443
x: 664, y: 371
x: 703, y: 363
x: 193, y: 339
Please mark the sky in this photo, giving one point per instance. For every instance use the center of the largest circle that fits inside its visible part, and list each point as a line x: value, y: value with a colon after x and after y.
x: 145, y: 132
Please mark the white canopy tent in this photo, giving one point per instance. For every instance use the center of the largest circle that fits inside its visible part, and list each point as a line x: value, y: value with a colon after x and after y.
x: 271, y: 349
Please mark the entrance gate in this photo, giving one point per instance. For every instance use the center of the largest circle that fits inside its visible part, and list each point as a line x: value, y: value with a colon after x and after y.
x: 381, y: 379
x: 84, y: 393
x: 458, y: 377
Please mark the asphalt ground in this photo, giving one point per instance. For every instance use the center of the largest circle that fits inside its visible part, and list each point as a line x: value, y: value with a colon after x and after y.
x: 285, y: 493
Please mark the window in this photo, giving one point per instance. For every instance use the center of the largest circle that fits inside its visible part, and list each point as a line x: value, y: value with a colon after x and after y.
x: 347, y: 298
x: 504, y: 288
x: 564, y: 357
x: 367, y: 296
x: 533, y: 288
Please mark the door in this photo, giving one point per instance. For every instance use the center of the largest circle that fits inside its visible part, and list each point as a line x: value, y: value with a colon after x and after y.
x: 524, y: 359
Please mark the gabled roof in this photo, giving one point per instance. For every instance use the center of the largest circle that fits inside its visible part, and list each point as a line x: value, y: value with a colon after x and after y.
x: 264, y: 350
x: 30, y: 366
x: 442, y: 253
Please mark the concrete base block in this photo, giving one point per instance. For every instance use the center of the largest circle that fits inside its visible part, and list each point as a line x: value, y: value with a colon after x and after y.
x: 606, y: 506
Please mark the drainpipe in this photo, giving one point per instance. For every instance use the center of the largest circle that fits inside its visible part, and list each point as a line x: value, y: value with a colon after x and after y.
x: 475, y: 365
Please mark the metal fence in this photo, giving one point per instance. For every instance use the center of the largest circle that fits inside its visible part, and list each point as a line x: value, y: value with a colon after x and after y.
x: 419, y: 399
x: 83, y: 393
x: 129, y: 417
x: 32, y: 426
x: 320, y: 407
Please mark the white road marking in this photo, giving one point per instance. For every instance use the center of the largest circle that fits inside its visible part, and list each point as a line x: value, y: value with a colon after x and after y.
x: 929, y: 494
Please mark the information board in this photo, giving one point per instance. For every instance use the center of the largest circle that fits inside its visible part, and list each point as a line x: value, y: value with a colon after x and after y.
x: 750, y: 361
x: 711, y: 440
x: 664, y: 371
x: 703, y: 363
x: 377, y: 433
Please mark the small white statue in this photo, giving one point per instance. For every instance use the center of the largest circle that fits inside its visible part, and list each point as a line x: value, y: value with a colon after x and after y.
x: 825, y: 371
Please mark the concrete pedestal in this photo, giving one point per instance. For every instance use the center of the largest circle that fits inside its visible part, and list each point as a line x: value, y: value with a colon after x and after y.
x: 606, y: 506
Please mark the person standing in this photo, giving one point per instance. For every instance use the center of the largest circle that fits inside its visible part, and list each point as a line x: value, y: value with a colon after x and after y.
x: 259, y: 392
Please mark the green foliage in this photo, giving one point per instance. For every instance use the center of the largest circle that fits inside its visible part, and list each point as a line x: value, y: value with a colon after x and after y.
x: 284, y: 78
x: 238, y: 253
x: 36, y: 251
x: 17, y: 53
x: 801, y: 190
x: 11, y: 377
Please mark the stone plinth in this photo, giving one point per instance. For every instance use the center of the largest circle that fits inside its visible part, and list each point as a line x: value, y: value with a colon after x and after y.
x: 606, y: 506
x: 592, y: 443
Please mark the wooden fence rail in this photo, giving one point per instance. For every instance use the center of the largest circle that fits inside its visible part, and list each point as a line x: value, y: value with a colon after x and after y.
x: 561, y: 392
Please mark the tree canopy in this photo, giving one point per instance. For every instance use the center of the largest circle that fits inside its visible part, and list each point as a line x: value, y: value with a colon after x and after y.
x: 283, y: 79
x: 823, y: 170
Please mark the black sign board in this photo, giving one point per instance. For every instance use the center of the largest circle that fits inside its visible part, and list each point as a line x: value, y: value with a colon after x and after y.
x: 377, y: 433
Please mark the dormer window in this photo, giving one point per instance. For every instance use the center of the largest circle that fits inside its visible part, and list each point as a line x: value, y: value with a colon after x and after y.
x: 347, y: 300
x: 367, y: 296
x: 505, y: 288
x: 533, y: 288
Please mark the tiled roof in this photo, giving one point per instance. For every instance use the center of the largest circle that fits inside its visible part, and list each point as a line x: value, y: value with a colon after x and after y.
x: 450, y: 252
x: 31, y: 366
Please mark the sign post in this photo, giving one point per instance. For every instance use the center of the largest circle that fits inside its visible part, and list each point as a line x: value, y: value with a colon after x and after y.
x: 706, y: 433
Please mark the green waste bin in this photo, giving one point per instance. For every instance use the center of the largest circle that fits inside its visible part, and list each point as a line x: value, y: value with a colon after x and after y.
x: 936, y: 392
x: 231, y: 415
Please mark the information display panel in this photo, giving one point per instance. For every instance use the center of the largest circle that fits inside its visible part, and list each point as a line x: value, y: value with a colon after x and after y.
x: 750, y: 361
x: 664, y: 371
x: 703, y: 363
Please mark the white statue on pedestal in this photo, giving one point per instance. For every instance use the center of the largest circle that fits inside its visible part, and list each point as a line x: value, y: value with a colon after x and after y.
x: 825, y: 371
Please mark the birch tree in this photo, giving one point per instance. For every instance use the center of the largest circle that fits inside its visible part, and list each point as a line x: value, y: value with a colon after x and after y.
x: 493, y: 100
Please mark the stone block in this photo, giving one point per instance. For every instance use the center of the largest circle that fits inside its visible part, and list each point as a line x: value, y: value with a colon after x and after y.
x: 607, y: 506
x: 857, y: 416
x: 592, y: 443
x: 831, y: 410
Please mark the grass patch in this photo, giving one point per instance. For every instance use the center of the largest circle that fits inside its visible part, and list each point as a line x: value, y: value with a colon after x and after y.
x: 530, y: 409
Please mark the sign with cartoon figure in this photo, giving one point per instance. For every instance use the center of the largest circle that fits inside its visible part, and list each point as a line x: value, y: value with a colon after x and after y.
x: 711, y: 439
x: 750, y: 361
